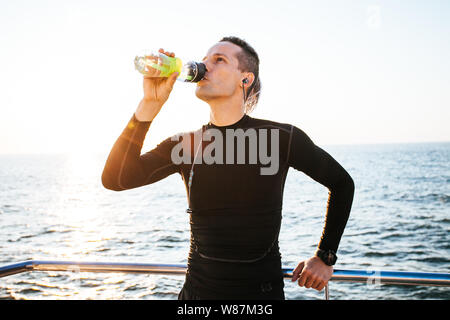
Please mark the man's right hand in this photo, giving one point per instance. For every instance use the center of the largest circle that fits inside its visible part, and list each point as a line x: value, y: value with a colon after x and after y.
x: 156, y: 92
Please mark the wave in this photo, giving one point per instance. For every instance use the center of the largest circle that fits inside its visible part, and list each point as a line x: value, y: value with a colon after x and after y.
x: 31, y: 290
x: 45, y: 232
x: 425, y: 198
x: 435, y: 260
x: 375, y: 254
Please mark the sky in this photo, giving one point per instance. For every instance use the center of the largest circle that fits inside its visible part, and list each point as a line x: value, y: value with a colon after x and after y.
x: 345, y: 72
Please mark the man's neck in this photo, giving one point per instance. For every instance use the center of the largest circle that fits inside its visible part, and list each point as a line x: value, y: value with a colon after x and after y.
x: 224, y: 113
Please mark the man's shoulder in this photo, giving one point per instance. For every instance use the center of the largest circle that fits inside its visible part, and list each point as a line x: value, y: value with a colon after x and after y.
x: 287, y: 130
x: 185, y: 134
x: 269, y: 124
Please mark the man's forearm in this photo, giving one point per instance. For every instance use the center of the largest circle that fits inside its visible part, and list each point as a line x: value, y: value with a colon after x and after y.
x: 122, y: 169
x: 339, y: 204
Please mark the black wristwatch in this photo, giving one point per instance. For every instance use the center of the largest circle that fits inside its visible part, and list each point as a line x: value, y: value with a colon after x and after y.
x: 327, y: 256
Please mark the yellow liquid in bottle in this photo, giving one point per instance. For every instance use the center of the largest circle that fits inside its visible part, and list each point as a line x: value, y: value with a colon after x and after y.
x: 167, y: 65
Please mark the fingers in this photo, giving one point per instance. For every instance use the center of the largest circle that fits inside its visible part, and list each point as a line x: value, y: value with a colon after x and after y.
x: 155, y: 64
x: 297, y: 271
x: 312, y: 273
x: 167, y: 53
x: 321, y: 285
x: 315, y: 284
x: 171, y: 80
x: 309, y: 280
x: 318, y: 284
x: 152, y: 73
x: 304, y: 277
x: 151, y: 66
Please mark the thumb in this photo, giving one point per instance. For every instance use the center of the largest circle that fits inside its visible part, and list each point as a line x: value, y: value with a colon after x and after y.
x: 172, y: 78
x: 297, y: 271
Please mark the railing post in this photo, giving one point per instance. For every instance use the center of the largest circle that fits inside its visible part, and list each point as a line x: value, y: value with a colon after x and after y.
x: 327, y: 292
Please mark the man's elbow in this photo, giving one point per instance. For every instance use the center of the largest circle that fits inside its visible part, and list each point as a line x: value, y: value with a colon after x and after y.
x: 110, y: 183
x: 350, y: 184
x: 345, y: 185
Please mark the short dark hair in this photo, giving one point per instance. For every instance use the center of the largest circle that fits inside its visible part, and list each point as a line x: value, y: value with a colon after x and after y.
x: 248, y: 62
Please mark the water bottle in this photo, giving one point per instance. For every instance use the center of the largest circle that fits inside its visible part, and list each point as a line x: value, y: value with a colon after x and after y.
x: 189, y: 72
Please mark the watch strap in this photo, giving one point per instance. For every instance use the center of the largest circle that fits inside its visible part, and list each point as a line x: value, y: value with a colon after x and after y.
x: 327, y: 256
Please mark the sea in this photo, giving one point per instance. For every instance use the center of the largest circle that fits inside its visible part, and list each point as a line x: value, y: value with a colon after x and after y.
x: 54, y: 207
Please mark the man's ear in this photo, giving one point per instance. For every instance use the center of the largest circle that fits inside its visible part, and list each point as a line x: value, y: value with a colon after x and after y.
x: 248, y: 79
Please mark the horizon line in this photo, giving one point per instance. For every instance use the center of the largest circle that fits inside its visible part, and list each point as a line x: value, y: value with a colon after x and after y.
x: 90, y: 152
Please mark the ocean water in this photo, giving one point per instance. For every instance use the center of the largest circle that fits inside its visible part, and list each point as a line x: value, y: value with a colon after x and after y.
x: 54, y: 207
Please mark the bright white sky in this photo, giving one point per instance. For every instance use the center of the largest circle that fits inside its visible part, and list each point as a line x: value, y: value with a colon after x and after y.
x: 345, y: 72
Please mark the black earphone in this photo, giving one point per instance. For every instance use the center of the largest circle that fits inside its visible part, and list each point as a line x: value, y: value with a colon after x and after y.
x: 245, y: 81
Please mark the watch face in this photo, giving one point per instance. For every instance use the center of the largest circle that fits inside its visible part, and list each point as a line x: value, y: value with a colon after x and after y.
x: 327, y: 256
x: 333, y: 258
x: 330, y: 258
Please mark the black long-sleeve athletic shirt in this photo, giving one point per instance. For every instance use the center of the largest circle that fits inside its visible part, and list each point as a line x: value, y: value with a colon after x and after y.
x: 235, y: 211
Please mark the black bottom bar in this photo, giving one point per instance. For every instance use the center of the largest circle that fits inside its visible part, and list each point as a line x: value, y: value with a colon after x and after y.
x: 219, y: 309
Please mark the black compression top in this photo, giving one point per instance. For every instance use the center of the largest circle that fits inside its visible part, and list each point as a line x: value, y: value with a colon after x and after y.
x: 235, y: 211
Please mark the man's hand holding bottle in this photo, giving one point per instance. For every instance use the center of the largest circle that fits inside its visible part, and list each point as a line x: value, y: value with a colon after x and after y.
x: 156, y: 92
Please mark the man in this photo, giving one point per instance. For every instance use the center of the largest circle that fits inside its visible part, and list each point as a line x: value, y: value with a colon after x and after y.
x: 234, y: 206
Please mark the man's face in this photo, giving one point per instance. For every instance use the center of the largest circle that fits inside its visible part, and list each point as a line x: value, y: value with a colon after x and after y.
x: 223, y: 77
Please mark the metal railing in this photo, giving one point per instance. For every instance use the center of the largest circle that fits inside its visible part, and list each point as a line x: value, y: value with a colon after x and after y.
x: 372, y: 276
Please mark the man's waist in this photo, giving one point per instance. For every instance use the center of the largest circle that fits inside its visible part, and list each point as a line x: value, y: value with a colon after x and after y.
x: 217, y: 273
x: 226, y: 257
x: 241, y: 211
x: 235, y: 240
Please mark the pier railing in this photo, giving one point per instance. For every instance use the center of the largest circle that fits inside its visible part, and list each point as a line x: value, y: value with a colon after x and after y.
x: 369, y: 276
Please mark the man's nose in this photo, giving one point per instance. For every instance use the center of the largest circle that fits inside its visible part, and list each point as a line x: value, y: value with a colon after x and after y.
x: 207, y: 69
x: 207, y: 65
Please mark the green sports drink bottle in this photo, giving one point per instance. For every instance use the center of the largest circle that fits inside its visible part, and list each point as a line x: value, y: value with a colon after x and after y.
x: 189, y: 72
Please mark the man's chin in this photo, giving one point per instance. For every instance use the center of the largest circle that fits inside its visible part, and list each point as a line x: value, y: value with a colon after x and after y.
x: 208, y: 94
x: 201, y: 93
